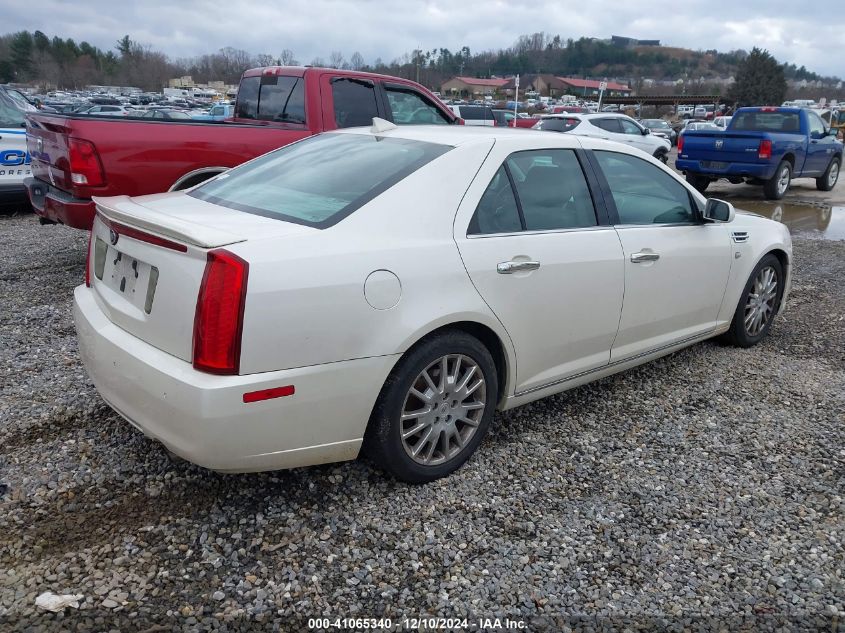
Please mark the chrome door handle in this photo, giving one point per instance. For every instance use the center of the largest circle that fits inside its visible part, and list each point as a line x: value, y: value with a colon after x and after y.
x: 644, y: 256
x: 506, y: 268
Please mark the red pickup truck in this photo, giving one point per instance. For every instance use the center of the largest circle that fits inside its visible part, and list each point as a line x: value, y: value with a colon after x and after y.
x: 75, y: 157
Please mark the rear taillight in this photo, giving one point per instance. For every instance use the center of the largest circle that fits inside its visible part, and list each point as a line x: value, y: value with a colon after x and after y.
x: 680, y: 143
x: 85, y: 166
x: 460, y: 121
x: 765, y: 150
x: 218, y: 323
x: 88, y: 259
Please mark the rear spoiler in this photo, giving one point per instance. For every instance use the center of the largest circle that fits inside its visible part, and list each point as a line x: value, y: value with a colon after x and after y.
x: 123, y: 210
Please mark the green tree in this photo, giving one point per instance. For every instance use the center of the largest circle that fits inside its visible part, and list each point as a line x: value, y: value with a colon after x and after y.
x: 21, y: 48
x: 759, y: 80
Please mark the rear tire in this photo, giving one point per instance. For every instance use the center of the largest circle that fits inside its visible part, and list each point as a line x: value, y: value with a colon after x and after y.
x: 758, y: 304
x: 828, y: 180
x: 444, y: 419
x: 700, y: 183
x: 776, y: 187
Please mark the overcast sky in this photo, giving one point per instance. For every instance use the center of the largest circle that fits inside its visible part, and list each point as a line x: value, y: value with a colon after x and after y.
x: 812, y: 34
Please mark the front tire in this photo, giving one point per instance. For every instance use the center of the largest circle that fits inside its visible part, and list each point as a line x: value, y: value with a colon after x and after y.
x: 758, y: 304
x: 434, y: 408
x: 776, y: 187
x: 828, y: 180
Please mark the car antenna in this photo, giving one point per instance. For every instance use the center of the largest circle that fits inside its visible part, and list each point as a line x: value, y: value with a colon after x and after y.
x: 381, y: 125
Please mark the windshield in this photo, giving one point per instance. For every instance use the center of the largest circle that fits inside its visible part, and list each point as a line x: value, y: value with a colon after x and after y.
x: 321, y: 180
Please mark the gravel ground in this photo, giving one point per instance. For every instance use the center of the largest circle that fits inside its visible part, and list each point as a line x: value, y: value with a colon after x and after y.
x: 701, y: 492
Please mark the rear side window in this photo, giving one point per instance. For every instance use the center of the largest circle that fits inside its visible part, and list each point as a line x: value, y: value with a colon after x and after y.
x: 321, y: 180
x: 409, y: 108
x: 758, y: 121
x: 557, y: 125
x: 643, y: 193
x: 497, y: 211
x: 611, y: 125
x: 272, y: 98
x: 354, y: 102
x: 552, y: 190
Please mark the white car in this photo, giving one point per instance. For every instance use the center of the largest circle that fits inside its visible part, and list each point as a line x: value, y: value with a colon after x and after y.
x: 14, y: 157
x: 390, y: 287
x: 611, y: 127
x: 722, y: 122
x: 107, y: 110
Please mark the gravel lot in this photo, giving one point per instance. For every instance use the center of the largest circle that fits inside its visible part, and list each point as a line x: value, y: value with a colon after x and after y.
x: 702, y: 491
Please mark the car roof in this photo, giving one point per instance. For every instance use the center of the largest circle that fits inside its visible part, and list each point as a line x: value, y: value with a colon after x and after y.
x: 454, y: 135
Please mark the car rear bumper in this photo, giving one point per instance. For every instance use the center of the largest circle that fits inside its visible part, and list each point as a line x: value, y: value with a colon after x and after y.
x: 58, y: 206
x: 763, y: 171
x: 204, y: 419
x: 12, y: 192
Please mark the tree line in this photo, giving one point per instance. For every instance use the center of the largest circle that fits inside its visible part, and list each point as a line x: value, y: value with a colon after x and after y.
x: 33, y: 57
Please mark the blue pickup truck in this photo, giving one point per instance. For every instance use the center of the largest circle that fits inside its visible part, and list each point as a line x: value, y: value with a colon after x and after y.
x: 763, y: 146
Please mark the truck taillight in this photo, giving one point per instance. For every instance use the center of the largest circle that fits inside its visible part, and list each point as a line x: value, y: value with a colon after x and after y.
x: 218, y: 322
x: 765, y: 150
x: 85, y: 166
x: 460, y: 121
x: 680, y: 143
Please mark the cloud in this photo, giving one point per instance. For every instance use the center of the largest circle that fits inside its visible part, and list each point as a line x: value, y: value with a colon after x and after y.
x: 390, y: 28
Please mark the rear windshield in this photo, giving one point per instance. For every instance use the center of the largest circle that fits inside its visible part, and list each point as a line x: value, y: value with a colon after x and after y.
x: 321, y: 180
x: 557, y: 124
x: 272, y: 98
x: 766, y: 121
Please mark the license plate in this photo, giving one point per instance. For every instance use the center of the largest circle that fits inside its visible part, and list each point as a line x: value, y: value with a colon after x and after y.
x: 713, y: 164
x: 131, y: 278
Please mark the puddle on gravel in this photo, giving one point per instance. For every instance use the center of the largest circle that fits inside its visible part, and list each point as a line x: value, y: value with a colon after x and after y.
x: 804, y: 220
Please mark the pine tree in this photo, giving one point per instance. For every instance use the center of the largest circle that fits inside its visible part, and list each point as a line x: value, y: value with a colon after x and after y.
x: 759, y: 80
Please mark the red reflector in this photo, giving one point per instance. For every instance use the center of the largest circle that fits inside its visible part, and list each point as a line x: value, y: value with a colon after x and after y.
x: 765, y: 150
x: 143, y: 236
x: 219, y: 319
x: 88, y: 259
x: 85, y: 166
x: 268, y: 394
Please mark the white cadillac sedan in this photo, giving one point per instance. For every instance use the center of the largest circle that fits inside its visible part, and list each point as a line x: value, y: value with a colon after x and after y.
x: 389, y: 288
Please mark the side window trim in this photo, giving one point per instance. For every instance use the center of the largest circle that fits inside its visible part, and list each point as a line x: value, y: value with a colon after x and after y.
x: 514, y: 191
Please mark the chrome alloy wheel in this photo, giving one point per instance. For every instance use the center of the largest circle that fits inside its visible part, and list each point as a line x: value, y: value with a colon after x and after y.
x: 442, y: 409
x: 760, y: 305
x: 833, y: 174
x: 783, y: 180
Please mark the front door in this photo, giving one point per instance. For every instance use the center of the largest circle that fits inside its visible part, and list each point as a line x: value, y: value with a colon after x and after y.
x: 537, y: 255
x: 676, y: 268
x: 820, y: 147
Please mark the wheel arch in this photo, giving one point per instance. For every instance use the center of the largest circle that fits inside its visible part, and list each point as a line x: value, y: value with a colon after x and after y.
x: 196, y: 176
x: 499, y: 349
x: 786, y: 265
x: 790, y: 158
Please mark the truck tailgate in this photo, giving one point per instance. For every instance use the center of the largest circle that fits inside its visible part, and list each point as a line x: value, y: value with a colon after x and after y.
x: 47, y: 141
x: 718, y: 149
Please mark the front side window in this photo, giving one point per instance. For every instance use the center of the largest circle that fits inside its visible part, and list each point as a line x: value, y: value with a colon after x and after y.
x: 643, y: 193
x: 354, y: 102
x: 816, y: 124
x: 409, y: 108
x: 321, y: 180
x: 629, y: 127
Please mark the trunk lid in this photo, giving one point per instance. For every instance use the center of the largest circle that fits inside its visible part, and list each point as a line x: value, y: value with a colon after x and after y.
x: 148, y: 257
x: 723, y: 147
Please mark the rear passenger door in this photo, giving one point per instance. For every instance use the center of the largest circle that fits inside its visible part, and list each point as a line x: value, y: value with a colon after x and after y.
x: 529, y: 235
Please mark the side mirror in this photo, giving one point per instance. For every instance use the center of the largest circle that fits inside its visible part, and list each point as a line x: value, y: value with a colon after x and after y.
x: 646, y: 131
x: 718, y: 211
